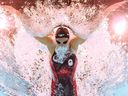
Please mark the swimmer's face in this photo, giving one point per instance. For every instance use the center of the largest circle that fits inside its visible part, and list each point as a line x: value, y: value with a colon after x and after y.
x: 62, y: 41
x: 62, y: 36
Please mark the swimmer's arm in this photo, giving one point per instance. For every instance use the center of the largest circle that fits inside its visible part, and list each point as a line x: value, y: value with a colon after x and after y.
x: 75, y: 42
x: 37, y: 32
x: 48, y: 42
x: 45, y: 40
x: 80, y: 36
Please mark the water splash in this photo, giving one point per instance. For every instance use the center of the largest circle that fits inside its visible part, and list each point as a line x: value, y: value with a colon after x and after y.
x: 102, y: 65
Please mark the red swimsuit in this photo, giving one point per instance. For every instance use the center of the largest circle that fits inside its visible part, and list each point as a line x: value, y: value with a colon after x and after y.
x: 63, y: 83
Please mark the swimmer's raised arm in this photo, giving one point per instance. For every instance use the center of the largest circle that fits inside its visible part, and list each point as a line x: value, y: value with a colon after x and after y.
x: 39, y: 32
x: 76, y: 41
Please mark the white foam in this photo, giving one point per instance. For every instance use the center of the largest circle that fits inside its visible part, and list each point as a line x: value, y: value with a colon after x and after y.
x: 101, y: 64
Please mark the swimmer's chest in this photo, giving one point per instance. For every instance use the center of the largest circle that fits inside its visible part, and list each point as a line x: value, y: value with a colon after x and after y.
x: 68, y: 63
